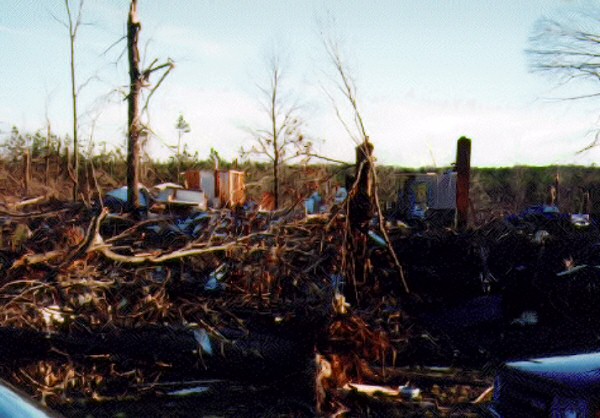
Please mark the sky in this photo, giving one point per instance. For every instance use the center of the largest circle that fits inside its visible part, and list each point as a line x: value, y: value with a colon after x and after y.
x: 426, y: 72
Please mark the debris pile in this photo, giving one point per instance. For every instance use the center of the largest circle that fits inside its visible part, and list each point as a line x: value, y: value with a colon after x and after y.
x: 99, y: 306
x: 97, y: 289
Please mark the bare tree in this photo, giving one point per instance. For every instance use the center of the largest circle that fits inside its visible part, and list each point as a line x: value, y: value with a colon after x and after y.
x: 72, y: 25
x: 282, y: 140
x: 138, y: 79
x: 568, y: 50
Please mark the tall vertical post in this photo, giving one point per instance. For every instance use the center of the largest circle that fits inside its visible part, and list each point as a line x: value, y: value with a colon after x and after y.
x: 463, y: 178
x: 217, y: 182
x: 556, y: 188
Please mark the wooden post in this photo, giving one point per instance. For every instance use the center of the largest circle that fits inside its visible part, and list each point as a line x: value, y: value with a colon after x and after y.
x: 556, y: 189
x: 217, y: 181
x: 463, y: 177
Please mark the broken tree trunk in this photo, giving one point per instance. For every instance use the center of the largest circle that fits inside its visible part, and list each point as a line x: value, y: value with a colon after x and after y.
x: 134, y: 126
x: 360, y: 211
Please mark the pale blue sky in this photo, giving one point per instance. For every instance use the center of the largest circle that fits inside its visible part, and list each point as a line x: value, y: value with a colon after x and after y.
x: 427, y: 72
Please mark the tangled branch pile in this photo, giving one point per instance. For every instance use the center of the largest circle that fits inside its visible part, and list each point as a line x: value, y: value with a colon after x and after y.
x: 98, y: 306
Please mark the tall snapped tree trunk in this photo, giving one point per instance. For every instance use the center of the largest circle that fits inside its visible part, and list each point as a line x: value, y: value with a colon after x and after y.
x: 133, y: 134
x: 73, y: 26
x: 275, y: 138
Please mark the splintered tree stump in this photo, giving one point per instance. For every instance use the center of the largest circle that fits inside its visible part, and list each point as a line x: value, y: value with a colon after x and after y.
x: 361, y: 205
x: 360, y: 212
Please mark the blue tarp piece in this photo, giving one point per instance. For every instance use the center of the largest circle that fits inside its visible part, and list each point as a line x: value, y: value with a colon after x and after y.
x: 121, y: 194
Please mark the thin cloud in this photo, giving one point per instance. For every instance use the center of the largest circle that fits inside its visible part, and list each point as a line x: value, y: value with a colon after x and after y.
x: 190, y: 41
x: 11, y: 31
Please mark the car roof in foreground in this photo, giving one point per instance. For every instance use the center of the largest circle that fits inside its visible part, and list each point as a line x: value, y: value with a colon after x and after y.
x: 15, y: 404
x: 578, y: 371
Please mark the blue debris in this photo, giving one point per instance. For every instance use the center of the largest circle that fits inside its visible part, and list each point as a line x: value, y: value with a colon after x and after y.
x: 189, y: 391
x: 203, y: 340
x: 377, y: 239
x: 337, y: 282
x: 214, y: 279
x: 121, y: 195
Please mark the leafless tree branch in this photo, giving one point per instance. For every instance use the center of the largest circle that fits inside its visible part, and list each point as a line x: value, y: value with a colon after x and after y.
x: 567, y: 51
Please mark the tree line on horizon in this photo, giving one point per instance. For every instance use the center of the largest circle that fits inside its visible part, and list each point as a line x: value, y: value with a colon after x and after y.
x: 563, y: 49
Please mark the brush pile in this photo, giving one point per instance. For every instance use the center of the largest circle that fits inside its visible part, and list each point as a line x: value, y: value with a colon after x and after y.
x: 99, y: 307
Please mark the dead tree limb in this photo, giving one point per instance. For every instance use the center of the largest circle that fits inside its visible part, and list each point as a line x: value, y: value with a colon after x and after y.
x: 30, y: 202
x: 32, y: 259
x: 102, y: 247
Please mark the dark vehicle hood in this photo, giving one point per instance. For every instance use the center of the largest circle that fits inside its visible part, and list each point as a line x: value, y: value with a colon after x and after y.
x: 576, y: 373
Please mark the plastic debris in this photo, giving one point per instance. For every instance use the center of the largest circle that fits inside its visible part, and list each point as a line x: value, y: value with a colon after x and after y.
x: 121, y: 195
x: 214, y: 279
x: 341, y: 195
x: 541, y: 236
x: 203, y: 340
x: 337, y: 282
x: 527, y: 318
x: 377, y: 239
x: 580, y: 219
x: 410, y: 393
x: 189, y: 391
